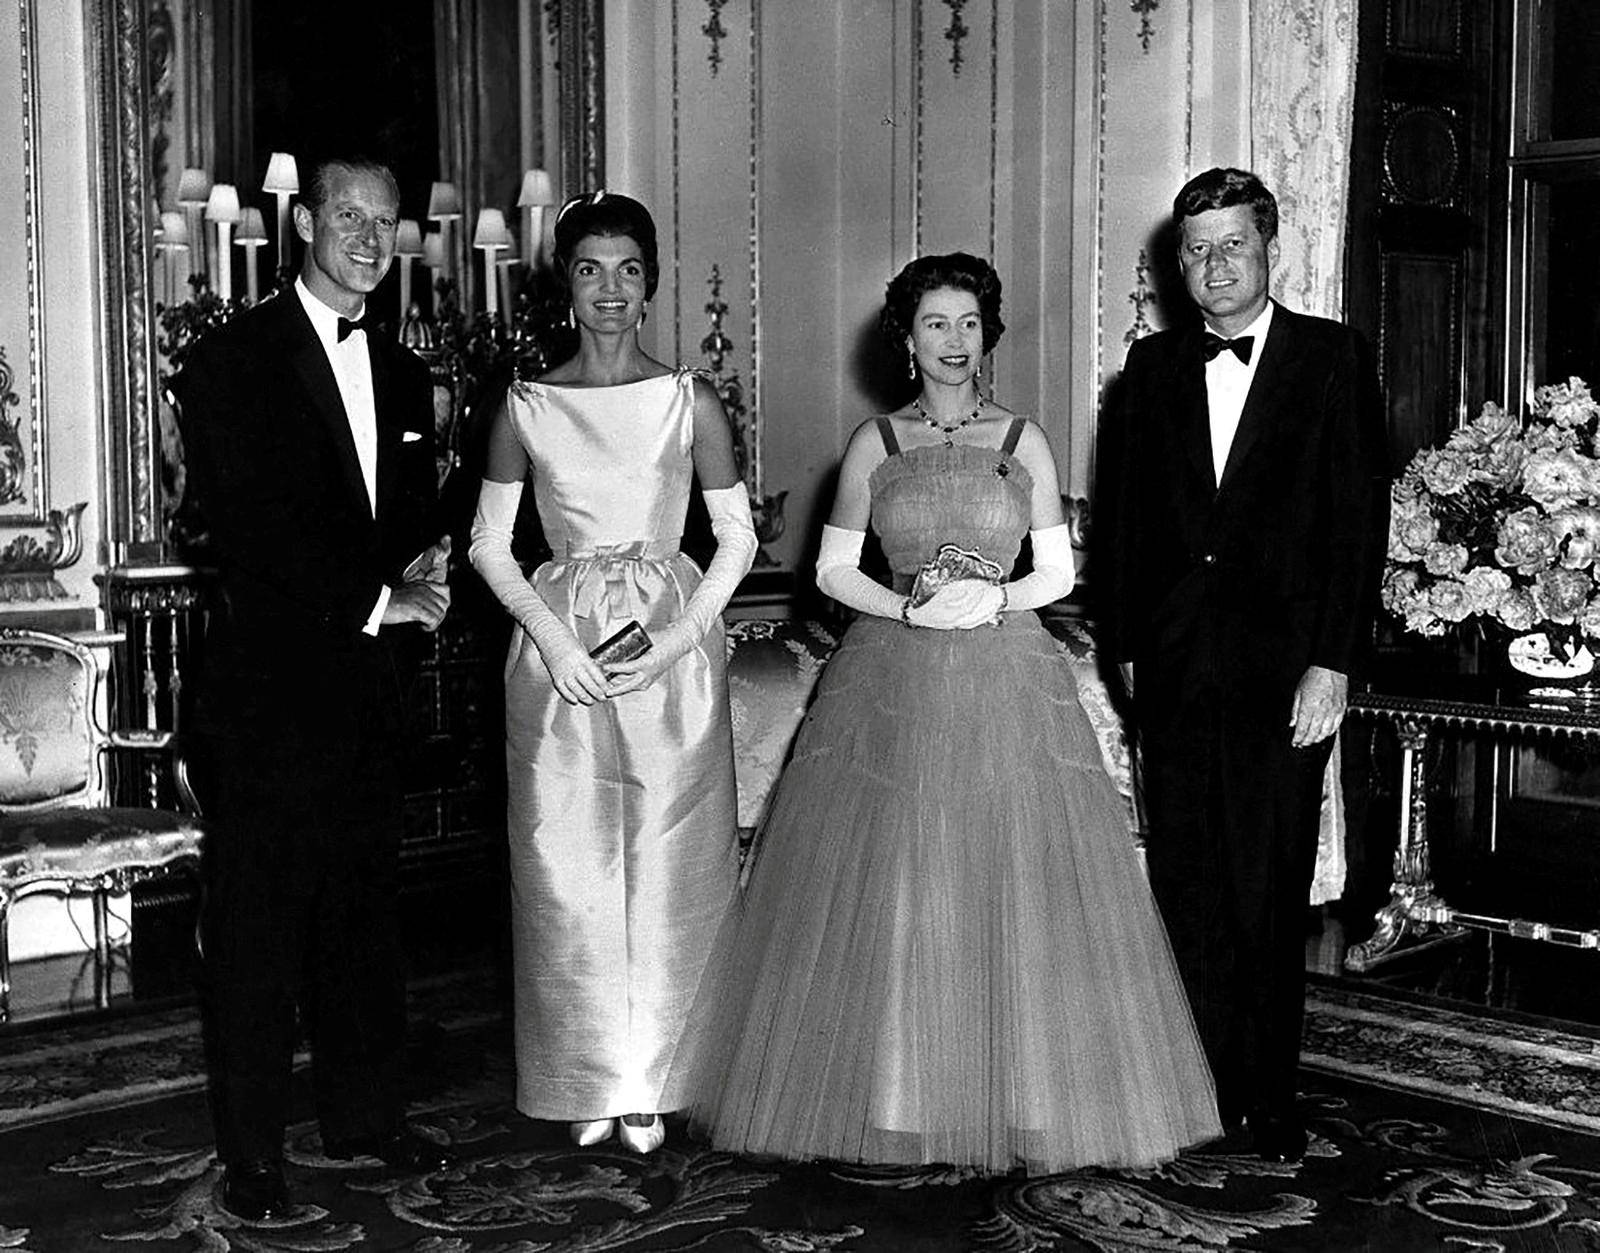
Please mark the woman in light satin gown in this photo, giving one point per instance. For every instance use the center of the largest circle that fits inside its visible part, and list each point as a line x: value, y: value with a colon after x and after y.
x: 948, y: 951
x: 621, y: 813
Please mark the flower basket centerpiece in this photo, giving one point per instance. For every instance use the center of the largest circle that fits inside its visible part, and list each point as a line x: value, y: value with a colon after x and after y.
x: 1499, y: 530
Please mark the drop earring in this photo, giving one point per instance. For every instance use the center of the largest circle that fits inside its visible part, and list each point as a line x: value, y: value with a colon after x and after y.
x: 911, y: 362
x: 644, y: 312
x: 572, y: 320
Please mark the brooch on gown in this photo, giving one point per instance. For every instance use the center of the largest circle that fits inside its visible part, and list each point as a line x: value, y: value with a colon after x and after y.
x: 1002, y: 468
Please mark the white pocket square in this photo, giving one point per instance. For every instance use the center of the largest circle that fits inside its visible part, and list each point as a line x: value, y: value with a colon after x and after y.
x: 410, y: 437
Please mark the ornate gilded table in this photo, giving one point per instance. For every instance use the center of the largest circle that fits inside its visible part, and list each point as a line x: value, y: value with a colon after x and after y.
x: 1416, y: 914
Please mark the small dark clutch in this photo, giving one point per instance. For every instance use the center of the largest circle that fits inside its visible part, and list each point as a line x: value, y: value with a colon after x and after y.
x: 951, y: 564
x: 625, y: 645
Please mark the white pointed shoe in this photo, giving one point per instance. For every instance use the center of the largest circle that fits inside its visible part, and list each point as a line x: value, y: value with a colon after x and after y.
x: 588, y: 1134
x: 643, y: 1139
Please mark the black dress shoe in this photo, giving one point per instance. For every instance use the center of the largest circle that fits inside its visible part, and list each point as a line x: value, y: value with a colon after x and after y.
x: 255, y: 1190
x: 402, y: 1148
x: 1277, y: 1138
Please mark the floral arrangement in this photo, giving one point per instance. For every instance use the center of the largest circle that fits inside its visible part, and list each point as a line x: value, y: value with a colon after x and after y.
x: 1500, y: 528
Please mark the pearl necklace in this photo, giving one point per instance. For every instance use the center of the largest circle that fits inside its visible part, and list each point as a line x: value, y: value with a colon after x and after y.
x: 949, y: 432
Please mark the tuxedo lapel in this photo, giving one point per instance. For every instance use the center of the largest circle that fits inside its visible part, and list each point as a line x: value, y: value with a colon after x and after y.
x: 1266, y: 400
x: 389, y: 434
x: 1193, y: 413
x: 311, y: 367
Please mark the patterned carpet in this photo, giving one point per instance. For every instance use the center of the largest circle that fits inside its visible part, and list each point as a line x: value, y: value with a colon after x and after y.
x: 1432, y: 1130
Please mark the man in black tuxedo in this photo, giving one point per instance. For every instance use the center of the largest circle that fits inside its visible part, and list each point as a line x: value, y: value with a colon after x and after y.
x: 309, y: 446
x: 1247, y: 527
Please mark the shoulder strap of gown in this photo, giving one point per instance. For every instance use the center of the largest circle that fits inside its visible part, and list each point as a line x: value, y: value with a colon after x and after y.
x: 1013, y: 434
x: 891, y: 445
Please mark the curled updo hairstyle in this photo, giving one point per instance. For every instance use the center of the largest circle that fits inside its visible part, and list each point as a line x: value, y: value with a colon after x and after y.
x: 607, y: 215
x: 1223, y: 188
x: 959, y: 270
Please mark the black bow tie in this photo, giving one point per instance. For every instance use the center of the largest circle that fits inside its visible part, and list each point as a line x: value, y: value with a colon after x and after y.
x: 1211, y: 345
x: 366, y: 322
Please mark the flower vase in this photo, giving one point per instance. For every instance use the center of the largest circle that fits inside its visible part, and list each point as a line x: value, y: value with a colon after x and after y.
x: 1547, y: 673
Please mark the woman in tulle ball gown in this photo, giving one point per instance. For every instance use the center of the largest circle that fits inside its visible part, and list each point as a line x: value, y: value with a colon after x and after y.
x: 947, y: 951
x: 620, y: 776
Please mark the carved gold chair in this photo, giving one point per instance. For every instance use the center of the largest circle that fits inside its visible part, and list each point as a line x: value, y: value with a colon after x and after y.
x: 60, y: 832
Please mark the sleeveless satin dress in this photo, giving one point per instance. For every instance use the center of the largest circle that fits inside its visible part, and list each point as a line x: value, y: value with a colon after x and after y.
x: 621, y: 815
x: 948, y: 951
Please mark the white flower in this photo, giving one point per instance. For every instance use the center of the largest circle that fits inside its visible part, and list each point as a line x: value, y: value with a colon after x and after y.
x: 1525, y: 542
x: 1449, y: 601
x: 1565, y: 404
x: 1516, y: 611
x: 1443, y: 559
x: 1557, y: 478
x: 1486, y: 588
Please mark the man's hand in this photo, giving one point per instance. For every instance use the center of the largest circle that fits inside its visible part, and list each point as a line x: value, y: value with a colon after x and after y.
x: 431, y: 565
x: 419, y: 600
x: 1318, y: 708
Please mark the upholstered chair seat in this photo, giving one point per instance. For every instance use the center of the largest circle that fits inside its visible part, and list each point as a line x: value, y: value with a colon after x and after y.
x: 59, y: 832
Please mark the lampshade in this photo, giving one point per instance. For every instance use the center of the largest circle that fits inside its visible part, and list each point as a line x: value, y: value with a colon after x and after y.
x: 193, y: 186
x: 444, y: 202
x: 408, y: 238
x: 174, y: 230
x: 283, y: 175
x: 491, y: 232
x: 252, y: 230
x: 223, y: 203
x: 433, y: 250
x: 536, y: 190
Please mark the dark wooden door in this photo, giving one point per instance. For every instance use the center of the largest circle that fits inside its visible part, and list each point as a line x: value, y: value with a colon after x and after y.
x: 1426, y: 205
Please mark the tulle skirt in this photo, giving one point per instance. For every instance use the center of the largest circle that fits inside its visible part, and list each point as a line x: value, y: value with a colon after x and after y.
x: 947, y: 950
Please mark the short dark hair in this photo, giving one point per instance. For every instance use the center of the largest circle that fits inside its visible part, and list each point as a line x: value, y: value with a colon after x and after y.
x: 960, y: 270
x: 607, y: 215
x: 316, y: 186
x: 1223, y: 188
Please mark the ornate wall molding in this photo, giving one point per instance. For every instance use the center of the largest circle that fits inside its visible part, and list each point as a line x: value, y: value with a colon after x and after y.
x: 27, y: 470
x: 28, y: 562
x: 583, y: 149
x: 117, y: 62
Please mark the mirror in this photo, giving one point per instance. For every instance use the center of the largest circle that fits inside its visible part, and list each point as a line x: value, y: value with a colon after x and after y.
x: 467, y: 92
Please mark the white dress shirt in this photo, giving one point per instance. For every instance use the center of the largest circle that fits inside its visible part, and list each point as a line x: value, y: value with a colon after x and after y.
x: 352, y: 371
x: 1228, y: 384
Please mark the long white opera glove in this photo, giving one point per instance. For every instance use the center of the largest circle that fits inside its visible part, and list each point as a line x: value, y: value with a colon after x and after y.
x: 1054, y: 570
x: 490, y: 554
x: 735, y: 533
x: 839, y: 574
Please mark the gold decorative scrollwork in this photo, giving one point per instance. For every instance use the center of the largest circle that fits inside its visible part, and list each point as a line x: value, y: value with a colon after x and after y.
x: 955, y: 33
x: 27, y: 566
x: 1141, y: 297
x: 716, y: 32
x: 1147, y: 28
x: 13, y: 457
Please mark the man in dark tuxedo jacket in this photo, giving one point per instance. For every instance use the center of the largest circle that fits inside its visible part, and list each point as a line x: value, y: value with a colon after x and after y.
x: 309, y: 446
x: 1247, y: 527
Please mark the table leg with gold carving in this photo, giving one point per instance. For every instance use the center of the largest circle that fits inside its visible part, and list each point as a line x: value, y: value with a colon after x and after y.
x: 1414, y: 910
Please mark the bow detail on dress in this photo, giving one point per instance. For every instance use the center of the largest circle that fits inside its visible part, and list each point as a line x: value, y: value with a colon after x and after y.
x: 610, y: 572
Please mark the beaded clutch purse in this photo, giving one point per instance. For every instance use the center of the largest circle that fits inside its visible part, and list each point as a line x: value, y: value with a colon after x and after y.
x: 628, y: 643
x: 949, y: 565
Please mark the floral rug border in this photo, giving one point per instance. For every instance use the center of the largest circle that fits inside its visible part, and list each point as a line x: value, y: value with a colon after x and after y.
x: 1541, y: 1073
